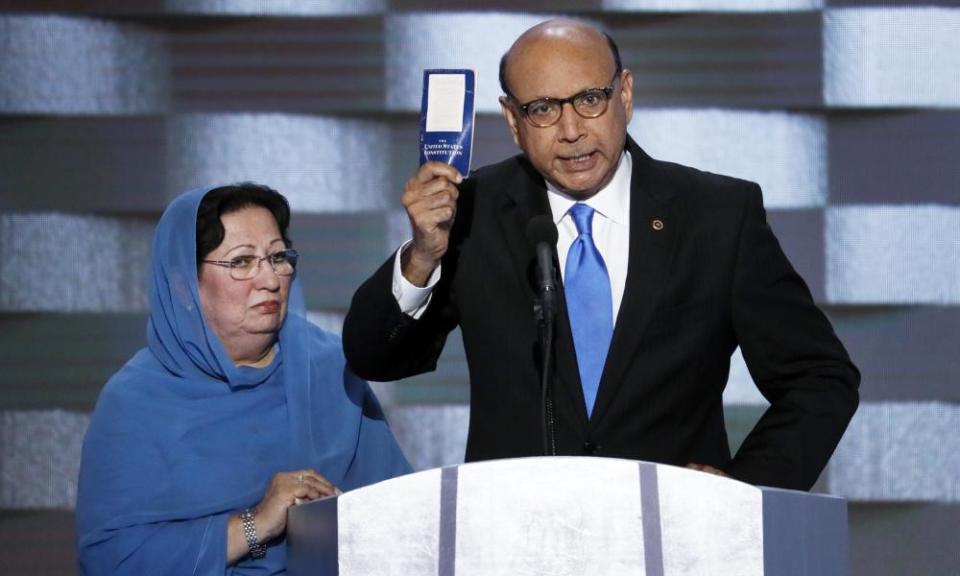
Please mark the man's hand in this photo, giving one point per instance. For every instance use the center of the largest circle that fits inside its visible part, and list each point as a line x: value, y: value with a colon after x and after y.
x: 430, y: 198
x: 708, y: 469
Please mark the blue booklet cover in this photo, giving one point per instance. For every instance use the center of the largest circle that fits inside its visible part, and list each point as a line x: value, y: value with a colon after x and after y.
x: 446, y: 117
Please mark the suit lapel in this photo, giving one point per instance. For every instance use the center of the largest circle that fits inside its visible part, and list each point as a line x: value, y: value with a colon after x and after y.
x: 654, y: 225
x: 526, y: 197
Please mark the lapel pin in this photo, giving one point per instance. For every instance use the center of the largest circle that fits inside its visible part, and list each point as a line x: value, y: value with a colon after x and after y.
x: 657, y: 224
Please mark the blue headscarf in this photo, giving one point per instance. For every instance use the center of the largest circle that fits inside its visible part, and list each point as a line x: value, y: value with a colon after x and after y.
x: 182, y: 437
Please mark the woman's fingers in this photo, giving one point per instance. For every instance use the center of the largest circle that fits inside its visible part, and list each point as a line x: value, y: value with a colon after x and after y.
x: 312, y: 485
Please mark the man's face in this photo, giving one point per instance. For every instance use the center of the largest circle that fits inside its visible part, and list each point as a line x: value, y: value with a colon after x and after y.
x: 578, y: 155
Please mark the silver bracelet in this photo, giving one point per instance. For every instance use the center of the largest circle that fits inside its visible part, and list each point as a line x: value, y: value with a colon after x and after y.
x: 257, y: 550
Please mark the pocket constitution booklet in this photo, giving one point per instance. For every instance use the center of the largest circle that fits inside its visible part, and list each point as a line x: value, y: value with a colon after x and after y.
x: 446, y: 117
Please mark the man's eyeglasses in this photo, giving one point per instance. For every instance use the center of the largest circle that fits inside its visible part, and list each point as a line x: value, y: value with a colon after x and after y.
x: 283, y: 263
x: 545, y: 112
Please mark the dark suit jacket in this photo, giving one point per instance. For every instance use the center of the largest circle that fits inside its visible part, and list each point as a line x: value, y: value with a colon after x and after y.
x: 712, y: 278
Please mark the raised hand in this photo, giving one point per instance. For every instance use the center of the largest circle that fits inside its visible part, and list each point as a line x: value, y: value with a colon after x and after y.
x: 430, y: 198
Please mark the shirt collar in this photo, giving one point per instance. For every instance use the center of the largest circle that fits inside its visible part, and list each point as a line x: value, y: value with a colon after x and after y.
x: 611, y: 201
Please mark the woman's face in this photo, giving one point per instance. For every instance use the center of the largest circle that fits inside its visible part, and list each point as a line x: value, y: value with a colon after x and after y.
x: 245, y: 314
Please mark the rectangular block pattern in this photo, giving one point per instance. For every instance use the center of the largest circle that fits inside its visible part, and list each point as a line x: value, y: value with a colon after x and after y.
x: 307, y: 65
x: 322, y: 164
x: 73, y: 263
x: 61, y: 360
x: 784, y: 153
x: 40, y: 458
x: 892, y: 56
x: 843, y: 110
x: 893, y: 255
x: 56, y: 65
x: 900, y: 452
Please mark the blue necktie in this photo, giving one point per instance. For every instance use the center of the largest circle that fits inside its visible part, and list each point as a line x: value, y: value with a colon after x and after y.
x: 589, y: 304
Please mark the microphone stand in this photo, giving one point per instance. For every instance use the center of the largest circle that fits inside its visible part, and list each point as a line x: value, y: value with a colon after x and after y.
x: 542, y: 234
x: 543, y: 311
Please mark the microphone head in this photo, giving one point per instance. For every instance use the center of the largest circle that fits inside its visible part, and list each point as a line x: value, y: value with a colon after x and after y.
x: 542, y: 229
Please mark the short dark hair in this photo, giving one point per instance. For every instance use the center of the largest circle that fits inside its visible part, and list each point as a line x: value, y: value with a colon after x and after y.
x: 614, y: 51
x: 232, y: 198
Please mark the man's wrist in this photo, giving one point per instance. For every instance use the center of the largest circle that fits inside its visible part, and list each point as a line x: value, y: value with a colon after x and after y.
x: 415, y: 268
x: 412, y: 299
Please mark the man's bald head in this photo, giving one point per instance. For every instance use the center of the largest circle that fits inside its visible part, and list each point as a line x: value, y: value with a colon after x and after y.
x: 558, y: 29
x: 569, y: 74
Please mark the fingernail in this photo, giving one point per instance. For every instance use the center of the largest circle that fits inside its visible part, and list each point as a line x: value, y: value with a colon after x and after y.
x: 459, y: 178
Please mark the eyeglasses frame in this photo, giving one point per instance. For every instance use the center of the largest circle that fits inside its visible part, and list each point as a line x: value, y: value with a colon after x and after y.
x: 229, y: 264
x: 607, y: 92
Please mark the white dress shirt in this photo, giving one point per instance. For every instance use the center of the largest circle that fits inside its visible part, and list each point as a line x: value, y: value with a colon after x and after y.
x: 611, y: 226
x: 611, y: 235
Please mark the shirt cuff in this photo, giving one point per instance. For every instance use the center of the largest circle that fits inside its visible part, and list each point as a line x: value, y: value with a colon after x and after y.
x: 413, y: 300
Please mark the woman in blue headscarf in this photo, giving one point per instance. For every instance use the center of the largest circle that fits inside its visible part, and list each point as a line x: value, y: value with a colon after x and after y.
x: 237, y: 408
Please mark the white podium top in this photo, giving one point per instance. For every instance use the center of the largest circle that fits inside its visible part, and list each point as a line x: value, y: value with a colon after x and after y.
x: 566, y: 516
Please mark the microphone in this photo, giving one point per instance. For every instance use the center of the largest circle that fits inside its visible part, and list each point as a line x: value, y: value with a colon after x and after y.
x: 542, y: 234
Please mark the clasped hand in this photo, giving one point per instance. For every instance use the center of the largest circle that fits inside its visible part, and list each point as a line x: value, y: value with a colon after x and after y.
x: 285, y: 490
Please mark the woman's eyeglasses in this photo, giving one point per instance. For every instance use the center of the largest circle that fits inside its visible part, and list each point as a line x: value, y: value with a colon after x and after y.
x: 283, y: 263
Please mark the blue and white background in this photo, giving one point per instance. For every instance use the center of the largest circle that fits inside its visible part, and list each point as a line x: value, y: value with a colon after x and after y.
x: 847, y: 112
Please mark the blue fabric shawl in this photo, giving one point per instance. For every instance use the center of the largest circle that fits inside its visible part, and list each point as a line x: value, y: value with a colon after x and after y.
x: 181, y: 437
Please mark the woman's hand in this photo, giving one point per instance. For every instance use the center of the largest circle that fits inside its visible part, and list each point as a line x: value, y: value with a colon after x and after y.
x: 270, y: 516
x: 285, y: 490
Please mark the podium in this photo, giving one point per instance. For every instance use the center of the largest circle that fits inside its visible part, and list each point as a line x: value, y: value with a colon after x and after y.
x: 566, y: 516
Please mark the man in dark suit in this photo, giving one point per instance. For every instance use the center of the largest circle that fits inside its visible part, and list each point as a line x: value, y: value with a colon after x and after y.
x: 665, y: 271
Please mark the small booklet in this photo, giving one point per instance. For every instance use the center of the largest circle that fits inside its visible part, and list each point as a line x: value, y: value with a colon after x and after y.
x: 446, y: 117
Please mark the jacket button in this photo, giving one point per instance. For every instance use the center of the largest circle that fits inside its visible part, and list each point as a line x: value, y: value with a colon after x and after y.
x: 589, y: 448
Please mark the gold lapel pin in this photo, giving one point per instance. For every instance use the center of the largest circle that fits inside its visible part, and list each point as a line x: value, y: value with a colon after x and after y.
x: 657, y: 224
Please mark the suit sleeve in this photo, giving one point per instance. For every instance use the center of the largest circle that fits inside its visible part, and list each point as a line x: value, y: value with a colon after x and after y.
x: 381, y: 342
x: 795, y: 359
